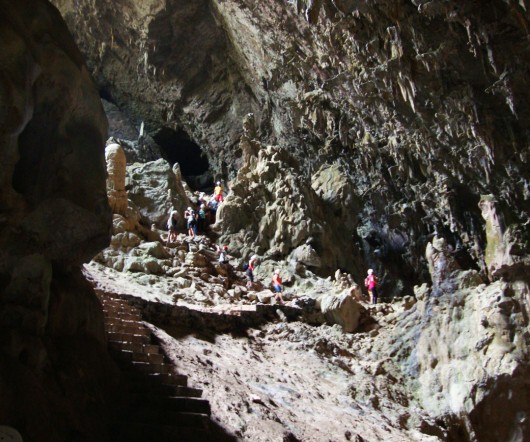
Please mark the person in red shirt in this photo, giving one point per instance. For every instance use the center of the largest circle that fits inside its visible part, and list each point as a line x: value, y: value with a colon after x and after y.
x: 278, y: 286
x: 371, y: 284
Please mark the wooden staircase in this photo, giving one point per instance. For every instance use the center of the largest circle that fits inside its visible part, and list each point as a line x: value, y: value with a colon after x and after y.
x: 157, y: 404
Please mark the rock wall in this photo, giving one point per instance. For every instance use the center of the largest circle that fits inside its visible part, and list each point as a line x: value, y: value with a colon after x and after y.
x: 464, y: 347
x: 424, y: 104
x: 54, y: 216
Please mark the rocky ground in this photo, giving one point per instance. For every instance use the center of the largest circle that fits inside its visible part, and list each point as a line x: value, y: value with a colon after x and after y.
x: 282, y: 381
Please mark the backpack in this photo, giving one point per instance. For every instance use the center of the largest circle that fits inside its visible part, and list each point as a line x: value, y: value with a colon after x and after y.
x: 245, y: 266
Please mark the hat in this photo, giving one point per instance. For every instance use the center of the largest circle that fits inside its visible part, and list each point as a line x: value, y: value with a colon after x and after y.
x: 277, y: 271
x: 225, y: 247
x: 370, y: 271
x: 189, y: 208
x: 218, y: 183
x: 202, y: 206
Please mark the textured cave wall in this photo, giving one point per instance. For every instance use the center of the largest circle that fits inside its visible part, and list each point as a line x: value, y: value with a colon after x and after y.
x: 425, y: 103
x: 54, y: 215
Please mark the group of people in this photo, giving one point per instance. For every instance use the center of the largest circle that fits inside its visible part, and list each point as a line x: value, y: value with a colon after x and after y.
x: 197, y: 220
x: 249, y: 268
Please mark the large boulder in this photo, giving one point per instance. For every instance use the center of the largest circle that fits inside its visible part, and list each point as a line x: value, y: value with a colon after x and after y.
x: 155, y: 190
x: 341, y: 309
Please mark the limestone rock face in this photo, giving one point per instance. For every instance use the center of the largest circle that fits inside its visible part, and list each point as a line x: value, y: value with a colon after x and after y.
x: 466, y: 351
x: 155, y: 191
x: 507, y: 246
x: 116, y: 169
x: 54, y: 216
x: 423, y: 104
x: 270, y: 211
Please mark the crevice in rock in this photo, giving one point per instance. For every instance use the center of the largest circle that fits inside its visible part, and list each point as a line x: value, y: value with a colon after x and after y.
x: 105, y: 93
x: 178, y: 147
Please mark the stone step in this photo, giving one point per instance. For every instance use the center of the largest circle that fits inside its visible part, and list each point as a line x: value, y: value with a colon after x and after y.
x: 113, y: 316
x: 146, y: 367
x: 155, y: 415
x: 163, y: 390
x: 180, y: 404
x: 131, y: 328
x: 127, y: 337
x: 157, y: 378
x: 143, y: 432
x: 132, y: 356
x: 134, y: 346
x: 120, y: 309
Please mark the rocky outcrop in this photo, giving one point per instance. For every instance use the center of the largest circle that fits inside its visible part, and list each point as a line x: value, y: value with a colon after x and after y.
x: 54, y: 216
x: 155, y: 191
x: 273, y: 212
x: 507, y: 247
x: 422, y: 104
x: 116, y: 168
x: 465, y: 348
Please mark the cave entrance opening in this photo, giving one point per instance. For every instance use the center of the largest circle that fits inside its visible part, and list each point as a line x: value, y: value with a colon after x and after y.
x: 178, y: 147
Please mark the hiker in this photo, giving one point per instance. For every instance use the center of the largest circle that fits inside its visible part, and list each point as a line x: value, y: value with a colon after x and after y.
x: 249, y: 271
x: 213, y: 205
x: 223, y: 254
x: 201, y: 199
x: 371, y: 284
x: 218, y: 192
x: 201, y: 219
x: 191, y: 221
x: 172, y: 223
x: 278, y: 286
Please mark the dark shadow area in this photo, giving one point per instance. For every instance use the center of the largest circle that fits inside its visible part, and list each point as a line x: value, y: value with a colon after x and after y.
x: 177, y: 147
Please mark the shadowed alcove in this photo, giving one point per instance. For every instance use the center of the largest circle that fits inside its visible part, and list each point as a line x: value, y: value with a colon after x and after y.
x: 179, y: 148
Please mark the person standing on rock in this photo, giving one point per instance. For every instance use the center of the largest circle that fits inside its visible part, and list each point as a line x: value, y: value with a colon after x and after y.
x: 172, y: 224
x: 201, y: 219
x: 249, y: 271
x: 223, y: 254
x: 191, y: 221
x: 370, y: 283
x: 201, y: 199
x: 278, y: 286
x: 213, y: 205
x: 218, y: 192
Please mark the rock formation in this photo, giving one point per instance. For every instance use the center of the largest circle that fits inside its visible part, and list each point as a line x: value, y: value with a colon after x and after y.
x: 116, y: 169
x: 54, y: 216
x: 423, y: 104
x: 383, y: 134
